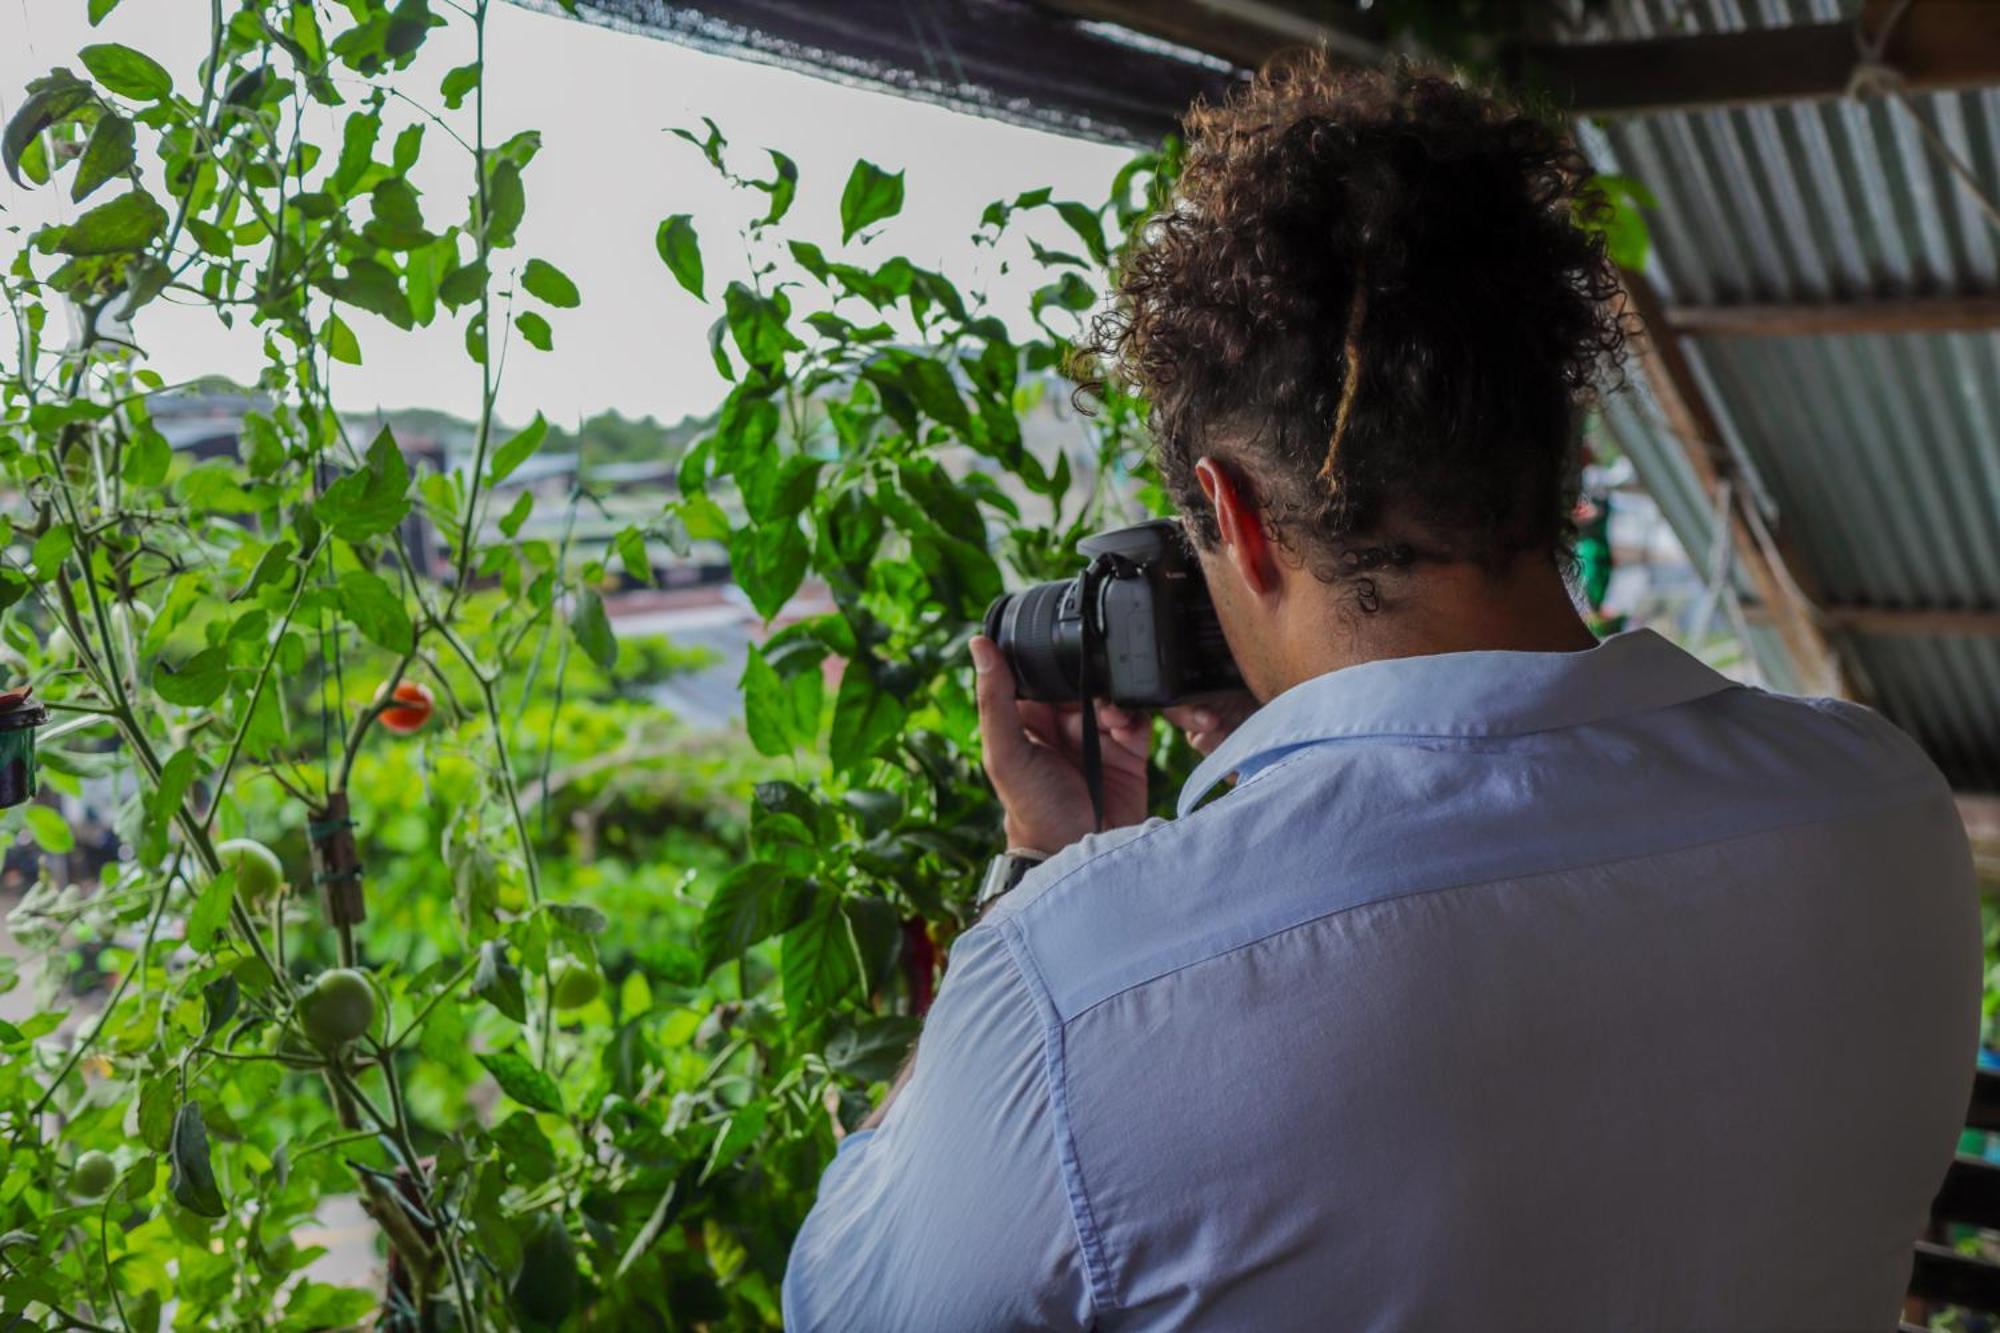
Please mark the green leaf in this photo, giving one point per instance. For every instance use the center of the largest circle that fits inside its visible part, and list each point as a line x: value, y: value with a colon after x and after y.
x: 50, y: 550
x: 679, y: 247
x: 193, y: 1180
x: 536, y: 330
x: 865, y: 717
x: 777, y: 489
x: 51, y: 831
x: 156, y: 1111
x: 517, y: 514
x: 126, y: 224
x: 372, y: 286
x: 126, y: 72
x: 50, y: 100
x: 757, y: 323
x: 769, y: 562
x: 783, y: 187
x: 1084, y: 221
x: 357, y: 150
x: 99, y: 8
x: 781, y: 712
x: 630, y: 544
x: 211, y: 909
x: 753, y: 902
x: 108, y: 154
x: 377, y: 610
x: 508, y: 203
x: 819, y: 965
x: 871, y: 195
x: 197, y: 682
x: 397, y: 221
x: 176, y: 776
x: 220, y: 1000
x: 578, y: 918
x: 551, y: 284
x: 147, y: 459
x: 518, y: 450
x: 592, y: 629
x: 341, y: 343
x: 498, y: 982
x: 457, y: 84
x: 873, y: 1049
x: 745, y: 1127
x: 521, y: 1080
x: 263, y: 449
x: 373, y: 500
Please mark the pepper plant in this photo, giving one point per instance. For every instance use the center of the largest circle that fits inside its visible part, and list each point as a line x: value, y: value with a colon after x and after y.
x: 348, y: 714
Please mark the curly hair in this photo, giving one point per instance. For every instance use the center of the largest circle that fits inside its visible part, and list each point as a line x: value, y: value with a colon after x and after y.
x: 1372, y: 295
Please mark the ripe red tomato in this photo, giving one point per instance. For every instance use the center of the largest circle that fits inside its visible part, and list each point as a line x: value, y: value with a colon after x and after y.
x: 406, y: 717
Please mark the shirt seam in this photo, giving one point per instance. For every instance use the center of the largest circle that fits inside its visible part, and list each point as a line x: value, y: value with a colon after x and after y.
x: 1928, y: 781
x: 1308, y: 737
x: 1187, y: 820
x: 1097, y: 1274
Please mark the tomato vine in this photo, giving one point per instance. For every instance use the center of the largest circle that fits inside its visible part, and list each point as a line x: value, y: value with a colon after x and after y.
x: 348, y: 963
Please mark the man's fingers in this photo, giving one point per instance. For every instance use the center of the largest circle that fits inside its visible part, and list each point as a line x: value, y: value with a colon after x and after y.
x: 1000, y: 732
x: 1192, y: 719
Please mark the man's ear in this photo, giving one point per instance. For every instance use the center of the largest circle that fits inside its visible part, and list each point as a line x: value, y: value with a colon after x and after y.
x: 1245, y: 545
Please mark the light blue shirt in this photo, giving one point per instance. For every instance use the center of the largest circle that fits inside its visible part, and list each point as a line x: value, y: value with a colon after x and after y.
x: 1502, y: 991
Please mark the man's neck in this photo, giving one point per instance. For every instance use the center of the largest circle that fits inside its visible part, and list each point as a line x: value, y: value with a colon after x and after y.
x: 1454, y: 608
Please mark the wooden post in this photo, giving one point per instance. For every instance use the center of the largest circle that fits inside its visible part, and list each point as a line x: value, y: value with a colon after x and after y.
x: 339, y: 864
x: 1664, y: 360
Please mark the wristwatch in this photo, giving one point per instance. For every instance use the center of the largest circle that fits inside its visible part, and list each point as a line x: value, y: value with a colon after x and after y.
x: 1004, y: 872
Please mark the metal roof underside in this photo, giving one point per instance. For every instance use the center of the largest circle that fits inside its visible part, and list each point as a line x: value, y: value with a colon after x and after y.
x: 1874, y: 454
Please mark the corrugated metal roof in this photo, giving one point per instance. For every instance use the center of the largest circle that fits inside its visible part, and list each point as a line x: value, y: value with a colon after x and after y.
x: 1877, y: 453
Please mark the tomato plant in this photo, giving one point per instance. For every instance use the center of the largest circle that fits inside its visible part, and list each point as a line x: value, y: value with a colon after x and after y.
x: 571, y: 1001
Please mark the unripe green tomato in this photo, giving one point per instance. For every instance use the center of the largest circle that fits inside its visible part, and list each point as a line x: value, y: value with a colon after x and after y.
x: 339, y: 1007
x: 259, y: 873
x: 574, y: 983
x: 92, y: 1175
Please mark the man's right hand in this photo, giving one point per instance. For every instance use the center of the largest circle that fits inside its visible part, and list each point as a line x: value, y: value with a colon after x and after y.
x: 1208, y: 723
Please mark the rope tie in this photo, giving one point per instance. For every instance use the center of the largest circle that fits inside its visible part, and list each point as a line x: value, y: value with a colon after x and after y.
x: 1874, y: 76
x: 1350, y: 382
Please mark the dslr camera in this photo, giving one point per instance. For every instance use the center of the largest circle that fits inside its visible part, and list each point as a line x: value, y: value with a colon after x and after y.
x: 1137, y: 627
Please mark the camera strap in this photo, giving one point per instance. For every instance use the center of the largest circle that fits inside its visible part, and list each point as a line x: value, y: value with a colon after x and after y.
x: 1093, y: 757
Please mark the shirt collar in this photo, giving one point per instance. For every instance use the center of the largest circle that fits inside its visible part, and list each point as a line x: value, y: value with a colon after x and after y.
x: 1462, y: 695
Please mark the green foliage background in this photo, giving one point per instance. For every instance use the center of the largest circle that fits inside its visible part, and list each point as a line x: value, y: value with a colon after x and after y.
x: 768, y: 911
x: 213, y: 635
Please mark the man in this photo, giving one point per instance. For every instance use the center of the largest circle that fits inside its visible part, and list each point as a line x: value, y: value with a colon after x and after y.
x: 1519, y: 981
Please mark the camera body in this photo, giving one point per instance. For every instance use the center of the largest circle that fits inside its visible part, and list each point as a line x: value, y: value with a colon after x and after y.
x: 1137, y: 627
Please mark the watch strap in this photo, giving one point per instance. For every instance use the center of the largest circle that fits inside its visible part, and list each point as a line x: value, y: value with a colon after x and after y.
x: 1005, y: 871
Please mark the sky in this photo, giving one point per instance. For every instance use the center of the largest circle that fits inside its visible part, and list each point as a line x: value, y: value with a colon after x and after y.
x: 607, y: 173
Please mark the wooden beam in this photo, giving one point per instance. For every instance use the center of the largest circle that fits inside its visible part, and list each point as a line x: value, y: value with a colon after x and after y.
x: 1889, y: 620
x: 1937, y: 45
x: 1243, y: 32
x: 1924, y: 314
x: 1981, y: 813
x: 1676, y: 390
x: 1016, y: 62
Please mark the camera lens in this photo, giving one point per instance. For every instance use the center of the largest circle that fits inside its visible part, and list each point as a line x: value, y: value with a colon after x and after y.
x: 1040, y: 632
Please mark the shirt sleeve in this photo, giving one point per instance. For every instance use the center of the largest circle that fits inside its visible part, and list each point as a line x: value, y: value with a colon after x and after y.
x: 953, y: 1213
